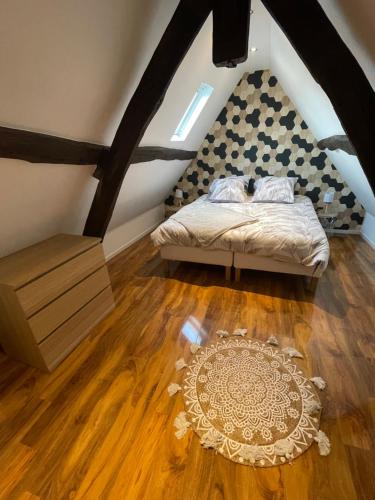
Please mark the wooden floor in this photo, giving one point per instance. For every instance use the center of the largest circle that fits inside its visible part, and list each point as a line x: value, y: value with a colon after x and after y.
x: 101, y: 426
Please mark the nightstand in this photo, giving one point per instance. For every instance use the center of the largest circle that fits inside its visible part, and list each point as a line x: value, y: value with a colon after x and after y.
x: 327, y: 220
x: 171, y: 210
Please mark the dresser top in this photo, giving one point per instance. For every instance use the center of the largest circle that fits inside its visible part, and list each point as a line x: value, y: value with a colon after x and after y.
x: 18, y: 269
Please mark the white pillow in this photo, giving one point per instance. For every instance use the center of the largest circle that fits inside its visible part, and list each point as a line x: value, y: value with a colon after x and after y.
x: 223, y: 180
x: 274, y: 190
x: 243, y: 178
x: 227, y: 190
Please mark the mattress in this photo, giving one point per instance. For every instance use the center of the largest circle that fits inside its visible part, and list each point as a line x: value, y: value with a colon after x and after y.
x: 283, y: 232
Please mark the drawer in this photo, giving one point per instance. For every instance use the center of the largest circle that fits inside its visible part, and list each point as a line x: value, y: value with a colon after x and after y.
x: 48, y: 287
x: 29, y: 264
x: 54, y: 314
x: 63, y: 340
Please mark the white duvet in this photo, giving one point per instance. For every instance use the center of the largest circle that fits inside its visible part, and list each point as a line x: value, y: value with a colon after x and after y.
x: 285, y: 232
x: 214, y: 222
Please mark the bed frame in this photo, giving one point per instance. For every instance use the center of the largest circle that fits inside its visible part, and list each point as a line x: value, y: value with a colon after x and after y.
x: 240, y: 261
x: 199, y: 255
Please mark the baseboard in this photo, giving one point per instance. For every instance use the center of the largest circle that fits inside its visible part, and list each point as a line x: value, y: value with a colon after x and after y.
x: 122, y: 237
x: 368, y: 241
x: 344, y: 231
x: 368, y: 229
x: 126, y: 245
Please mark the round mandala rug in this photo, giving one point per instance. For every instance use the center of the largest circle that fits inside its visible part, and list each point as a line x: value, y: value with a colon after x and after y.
x: 248, y: 398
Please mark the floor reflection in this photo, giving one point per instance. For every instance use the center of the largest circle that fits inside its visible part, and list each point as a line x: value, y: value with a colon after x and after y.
x: 193, y: 331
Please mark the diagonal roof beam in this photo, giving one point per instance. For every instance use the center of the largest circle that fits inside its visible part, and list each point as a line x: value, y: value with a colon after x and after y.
x: 335, y: 68
x: 174, y: 44
x: 184, y: 26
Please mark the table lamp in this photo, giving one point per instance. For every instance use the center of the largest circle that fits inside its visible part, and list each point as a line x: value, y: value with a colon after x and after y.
x: 178, y: 196
x: 328, y: 199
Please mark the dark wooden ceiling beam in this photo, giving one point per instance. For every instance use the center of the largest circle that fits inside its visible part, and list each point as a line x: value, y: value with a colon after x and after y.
x: 184, y: 26
x: 230, y: 47
x: 144, y: 154
x: 180, y: 33
x: 337, y: 142
x: 150, y: 153
x: 231, y: 22
x: 43, y: 148
x: 335, y: 68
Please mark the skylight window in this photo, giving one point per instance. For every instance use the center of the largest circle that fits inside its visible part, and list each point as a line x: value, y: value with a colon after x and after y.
x: 193, y: 111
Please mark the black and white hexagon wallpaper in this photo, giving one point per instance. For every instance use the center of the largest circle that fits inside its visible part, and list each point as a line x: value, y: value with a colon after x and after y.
x: 259, y: 132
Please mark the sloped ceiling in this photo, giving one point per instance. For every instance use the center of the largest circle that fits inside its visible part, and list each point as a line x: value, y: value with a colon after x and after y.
x: 317, y: 110
x: 196, y: 68
x: 69, y: 68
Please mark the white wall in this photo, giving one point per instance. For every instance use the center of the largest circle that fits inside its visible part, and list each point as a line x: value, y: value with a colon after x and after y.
x: 126, y: 234
x: 37, y: 201
x: 368, y: 229
x: 146, y: 186
x: 69, y: 68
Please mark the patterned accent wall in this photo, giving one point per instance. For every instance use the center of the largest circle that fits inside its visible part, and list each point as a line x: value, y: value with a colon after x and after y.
x: 259, y: 132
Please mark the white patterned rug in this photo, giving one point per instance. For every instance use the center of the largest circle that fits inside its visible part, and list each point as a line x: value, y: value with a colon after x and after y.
x: 250, y: 402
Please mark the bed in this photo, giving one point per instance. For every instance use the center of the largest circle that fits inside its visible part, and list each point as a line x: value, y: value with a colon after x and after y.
x: 276, y: 237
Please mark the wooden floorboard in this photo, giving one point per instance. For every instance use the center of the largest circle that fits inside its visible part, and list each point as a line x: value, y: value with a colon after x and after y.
x: 101, y: 425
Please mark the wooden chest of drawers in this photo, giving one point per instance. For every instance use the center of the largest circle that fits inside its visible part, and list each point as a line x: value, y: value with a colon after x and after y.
x: 51, y: 295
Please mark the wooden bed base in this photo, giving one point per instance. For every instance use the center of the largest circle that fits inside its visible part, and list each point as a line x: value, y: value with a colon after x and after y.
x: 240, y: 261
x: 311, y: 282
x: 170, y: 269
x: 199, y: 255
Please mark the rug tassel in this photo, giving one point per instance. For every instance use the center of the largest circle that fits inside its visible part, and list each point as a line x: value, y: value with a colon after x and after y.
x: 181, y: 424
x: 252, y: 453
x: 194, y: 348
x: 212, y: 439
x: 272, y: 341
x: 222, y: 333
x: 180, y: 364
x: 319, y: 382
x: 312, y: 406
x: 173, y: 389
x: 323, y: 442
x: 240, y: 332
x: 293, y: 353
x: 284, y: 448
